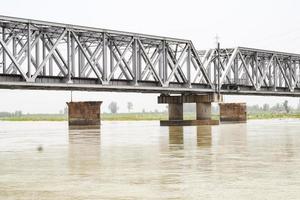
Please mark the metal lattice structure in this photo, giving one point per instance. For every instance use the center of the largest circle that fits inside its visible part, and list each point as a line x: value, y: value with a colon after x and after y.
x: 45, y: 55
x: 253, y: 71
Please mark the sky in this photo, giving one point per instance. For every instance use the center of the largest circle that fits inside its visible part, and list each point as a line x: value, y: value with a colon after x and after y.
x: 265, y: 24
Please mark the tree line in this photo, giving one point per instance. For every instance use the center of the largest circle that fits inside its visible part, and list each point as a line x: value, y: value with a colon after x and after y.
x: 113, y: 107
x: 17, y: 113
x: 283, y: 107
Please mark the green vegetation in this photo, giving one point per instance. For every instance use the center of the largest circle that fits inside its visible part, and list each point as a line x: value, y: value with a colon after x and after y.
x: 274, y: 116
x: 35, y: 117
x: 133, y: 116
x: 139, y: 116
x: 279, y: 111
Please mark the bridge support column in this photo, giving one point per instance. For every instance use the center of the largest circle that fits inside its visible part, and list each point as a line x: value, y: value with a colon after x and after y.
x: 233, y: 112
x: 203, y: 111
x: 175, y: 111
x: 203, y: 114
x: 84, y: 114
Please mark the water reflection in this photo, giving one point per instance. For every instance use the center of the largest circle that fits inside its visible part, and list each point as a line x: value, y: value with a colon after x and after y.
x: 204, y: 138
x: 176, y: 135
x: 84, y: 150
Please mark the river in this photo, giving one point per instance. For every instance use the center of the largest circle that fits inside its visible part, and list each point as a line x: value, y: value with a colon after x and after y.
x: 141, y: 160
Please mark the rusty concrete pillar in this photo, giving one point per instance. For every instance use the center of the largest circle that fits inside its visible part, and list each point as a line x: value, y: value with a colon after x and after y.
x: 176, y: 111
x: 84, y: 114
x: 203, y: 111
x: 233, y: 112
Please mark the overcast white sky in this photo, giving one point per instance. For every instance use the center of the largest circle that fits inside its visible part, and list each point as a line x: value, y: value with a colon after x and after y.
x: 267, y: 24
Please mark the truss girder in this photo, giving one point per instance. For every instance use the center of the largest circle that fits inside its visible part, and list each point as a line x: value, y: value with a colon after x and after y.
x: 45, y: 52
x: 254, y: 68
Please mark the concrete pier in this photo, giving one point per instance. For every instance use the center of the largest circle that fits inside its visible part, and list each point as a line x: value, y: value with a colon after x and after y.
x: 84, y: 114
x: 175, y: 111
x: 233, y: 112
x: 203, y: 112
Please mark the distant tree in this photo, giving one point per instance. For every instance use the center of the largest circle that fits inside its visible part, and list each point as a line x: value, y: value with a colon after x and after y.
x: 5, y: 114
x: 129, y: 106
x: 286, y: 106
x: 143, y: 111
x: 266, y: 107
x: 277, y: 108
x: 18, y: 113
x: 254, y: 109
x: 65, y: 110
x: 113, y: 107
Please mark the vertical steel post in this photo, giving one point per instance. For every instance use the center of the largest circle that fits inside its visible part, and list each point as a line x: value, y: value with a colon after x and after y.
x: 37, y: 54
x: 280, y: 80
x: 69, y: 57
x: 3, y: 52
x: 252, y: 68
x: 247, y: 63
x: 14, y: 52
x: 82, y: 62
x: 112, y: 63
x: 79, y: 59
x: 275, y: 75
x: 73, y: 54
x: 256, y: 69
x: 44, y: 54
x: 295, y: 73
x: 28, y: 52
x: 165, y: 61
x: 51, y: 66
x: 161, y: 61
x: 215, y: 70
x: 209, y: 69
x: 134, y: 62
x: 298, y: 71
x: 219, y: 64
x: 139, y: 63
x: 188, y: 66
x: 290, y: 72
x: 104, y: 61
x: 263, y: 68
x: 236, y: 70
x: 270, y: 72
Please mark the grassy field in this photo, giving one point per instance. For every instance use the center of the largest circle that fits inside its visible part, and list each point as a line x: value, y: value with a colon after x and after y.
x: 274, y: 116
x: 36, y: 117
x: 139, y: 116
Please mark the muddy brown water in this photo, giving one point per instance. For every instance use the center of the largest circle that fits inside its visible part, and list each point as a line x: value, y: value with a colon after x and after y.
x: 141, y: 160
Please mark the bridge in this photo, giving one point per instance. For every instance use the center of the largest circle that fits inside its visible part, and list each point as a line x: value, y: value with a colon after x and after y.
x: 45, y: 55
x: 53, y: 56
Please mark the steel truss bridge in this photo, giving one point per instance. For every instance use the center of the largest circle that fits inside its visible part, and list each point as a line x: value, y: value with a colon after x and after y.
x: 45, y: 55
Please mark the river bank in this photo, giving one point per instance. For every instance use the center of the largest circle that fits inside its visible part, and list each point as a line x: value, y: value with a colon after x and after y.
x: 140, y: 116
